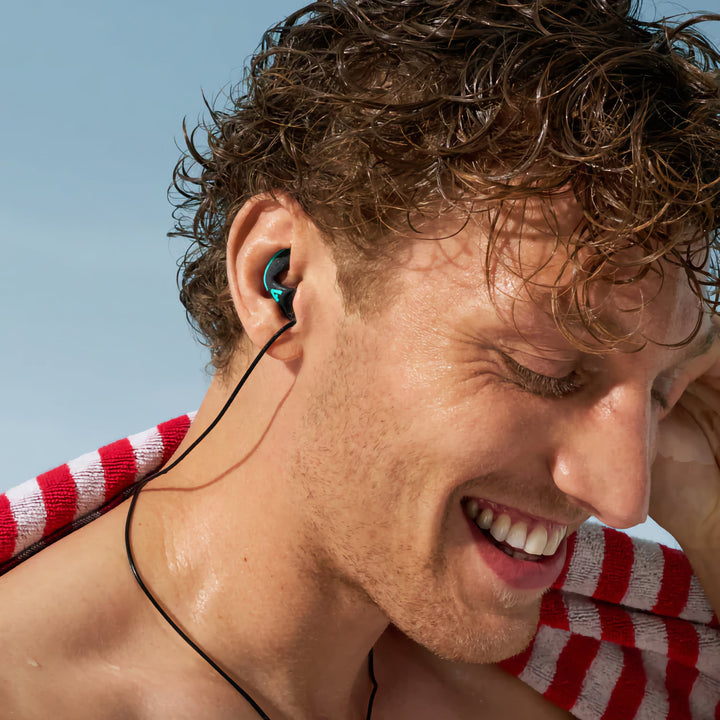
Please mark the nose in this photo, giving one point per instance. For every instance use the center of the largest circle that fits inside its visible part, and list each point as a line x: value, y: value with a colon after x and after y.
x: 603, y: 455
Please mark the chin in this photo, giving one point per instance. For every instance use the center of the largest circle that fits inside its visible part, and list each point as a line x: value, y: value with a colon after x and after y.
x: 482, y: 638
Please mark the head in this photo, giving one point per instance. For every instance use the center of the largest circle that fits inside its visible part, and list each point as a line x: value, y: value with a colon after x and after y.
x: 378, y: 117
x: 517, y: 203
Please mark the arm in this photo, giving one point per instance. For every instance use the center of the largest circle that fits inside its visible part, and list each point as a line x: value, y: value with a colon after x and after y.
x: 685, y: 497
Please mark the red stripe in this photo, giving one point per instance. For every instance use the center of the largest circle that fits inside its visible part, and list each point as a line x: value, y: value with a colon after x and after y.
x: 572, y: 667
x: 616, y: 568
x: 119, y: 468
x: 714, y: 622
x: 683, y: 652
x: 60, y: 498
x: 59, y: 492
x: 675, y: 588
x: 553, y: 611
x: 516, y: 664
x: 172, y: 432
x: 629, y: 689
x: 617, y: 627
x: 568, y: 559
x: 679, y: 680
x: 683, y: 642
x: 8, y: 530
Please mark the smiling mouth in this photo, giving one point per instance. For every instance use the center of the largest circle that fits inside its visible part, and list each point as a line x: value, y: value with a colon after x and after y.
x: 522, y: 538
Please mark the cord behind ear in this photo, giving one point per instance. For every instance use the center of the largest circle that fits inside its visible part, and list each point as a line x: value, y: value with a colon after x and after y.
x: 282, y: 294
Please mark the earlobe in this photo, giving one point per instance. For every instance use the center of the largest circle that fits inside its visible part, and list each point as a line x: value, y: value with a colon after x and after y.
x: 263, y: 280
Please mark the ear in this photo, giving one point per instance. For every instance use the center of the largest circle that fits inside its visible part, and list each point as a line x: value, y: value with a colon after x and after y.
x: 262, y: 227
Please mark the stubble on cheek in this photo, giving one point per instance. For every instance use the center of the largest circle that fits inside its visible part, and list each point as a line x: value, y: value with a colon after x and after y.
x: 365, y: 477
x: 342, y: 442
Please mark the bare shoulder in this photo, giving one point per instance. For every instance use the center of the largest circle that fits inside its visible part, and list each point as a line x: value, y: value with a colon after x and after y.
x: 60, y: 618
x: 421, y: 686
x: 80, y: 642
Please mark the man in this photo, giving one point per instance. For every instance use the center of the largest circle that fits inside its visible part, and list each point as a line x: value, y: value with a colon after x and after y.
x: 499, y: 220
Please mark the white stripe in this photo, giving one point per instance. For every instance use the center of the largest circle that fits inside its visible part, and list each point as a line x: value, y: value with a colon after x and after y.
x: 599, y: 682
x: 698, y: 608
x: 645, y: 576
x: 704, y: 697
x: 654, y: 704
x: 583, y: 616
x: 148, y: 448
x: 586, y: 564
x: 87, y: 472
x: 650, y: 633
x: 28, y: 508
x: 709, y: 653
x: 540, y: 669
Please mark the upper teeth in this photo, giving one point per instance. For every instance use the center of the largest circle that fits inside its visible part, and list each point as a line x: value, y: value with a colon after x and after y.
x: 541, y: 540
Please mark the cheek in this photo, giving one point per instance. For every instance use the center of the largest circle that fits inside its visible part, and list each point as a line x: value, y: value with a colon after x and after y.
x: 454, y: 403
x: 401, y: 411
x: 471, y: 424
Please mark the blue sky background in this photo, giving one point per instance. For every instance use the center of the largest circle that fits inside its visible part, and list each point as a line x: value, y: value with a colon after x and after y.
x: 95, y: 345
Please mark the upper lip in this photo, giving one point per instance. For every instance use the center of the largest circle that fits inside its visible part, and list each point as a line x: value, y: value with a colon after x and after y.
x: 572, y: 522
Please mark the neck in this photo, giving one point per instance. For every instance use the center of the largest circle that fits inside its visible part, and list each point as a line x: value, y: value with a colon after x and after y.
x: 225, y: 544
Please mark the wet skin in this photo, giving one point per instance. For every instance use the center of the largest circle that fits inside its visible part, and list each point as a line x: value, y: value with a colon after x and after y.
x: 330, y: 503
x: 452, y: 394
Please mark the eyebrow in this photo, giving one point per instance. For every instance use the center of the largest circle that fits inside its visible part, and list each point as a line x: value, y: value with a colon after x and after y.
x: 696, y: 349
x: 693, y: 349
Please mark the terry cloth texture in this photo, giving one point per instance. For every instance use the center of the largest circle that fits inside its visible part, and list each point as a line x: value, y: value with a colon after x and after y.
x: 626, y: 632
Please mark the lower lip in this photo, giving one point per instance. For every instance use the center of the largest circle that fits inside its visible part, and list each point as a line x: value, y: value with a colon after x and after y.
x: 518, y: 574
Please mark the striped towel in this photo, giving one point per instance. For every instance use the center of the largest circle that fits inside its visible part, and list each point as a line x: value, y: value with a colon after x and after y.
x: 625, y: 633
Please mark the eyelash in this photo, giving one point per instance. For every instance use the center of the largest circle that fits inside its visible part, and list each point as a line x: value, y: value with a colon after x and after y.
x: 660, y: 399
x: 543, y: 385
x: 553, y: 387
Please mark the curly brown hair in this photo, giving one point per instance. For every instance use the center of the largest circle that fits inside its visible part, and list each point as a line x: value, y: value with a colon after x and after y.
x: 371, y: 113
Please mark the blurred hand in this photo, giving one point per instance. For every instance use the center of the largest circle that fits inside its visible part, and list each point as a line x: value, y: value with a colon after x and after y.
x: 685, y: 495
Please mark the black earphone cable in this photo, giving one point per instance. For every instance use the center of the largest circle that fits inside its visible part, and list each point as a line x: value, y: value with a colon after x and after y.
x: 145, y: 589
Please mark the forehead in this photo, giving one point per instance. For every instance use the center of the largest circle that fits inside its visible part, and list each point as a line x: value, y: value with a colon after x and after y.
x: 530, y: 264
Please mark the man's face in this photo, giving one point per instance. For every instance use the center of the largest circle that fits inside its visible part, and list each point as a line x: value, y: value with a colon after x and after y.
x: 450, y: 403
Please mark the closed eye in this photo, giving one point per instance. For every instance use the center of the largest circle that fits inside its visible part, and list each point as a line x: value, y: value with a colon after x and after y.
x: 548, y: 386
x: 545, y: 386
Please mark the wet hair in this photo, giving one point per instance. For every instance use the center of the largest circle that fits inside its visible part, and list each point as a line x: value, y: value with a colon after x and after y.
x: 377, y: 114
